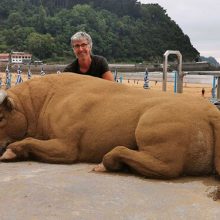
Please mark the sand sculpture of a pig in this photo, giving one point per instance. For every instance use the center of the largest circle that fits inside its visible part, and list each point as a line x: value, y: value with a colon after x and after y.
x: 70, y: 118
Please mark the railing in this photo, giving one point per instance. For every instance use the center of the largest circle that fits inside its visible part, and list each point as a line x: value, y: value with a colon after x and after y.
x: 181, y: 74
x: 216, y: 76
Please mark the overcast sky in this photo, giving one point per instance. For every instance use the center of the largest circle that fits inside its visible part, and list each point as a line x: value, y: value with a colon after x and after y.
x: 199, y: 19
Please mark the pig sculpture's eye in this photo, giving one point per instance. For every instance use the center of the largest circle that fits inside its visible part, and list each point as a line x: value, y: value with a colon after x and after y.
x: 1, y: 117
x: 2, y: 120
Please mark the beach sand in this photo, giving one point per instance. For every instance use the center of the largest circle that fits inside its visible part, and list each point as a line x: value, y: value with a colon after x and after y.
x: 193, y: 89
x: 13, y: 80
x: 189, y: 88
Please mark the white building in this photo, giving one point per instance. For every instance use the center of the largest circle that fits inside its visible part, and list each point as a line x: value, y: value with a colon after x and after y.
x: 20, y: 57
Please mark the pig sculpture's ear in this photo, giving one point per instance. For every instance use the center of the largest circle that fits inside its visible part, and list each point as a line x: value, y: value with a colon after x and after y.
x: 6, y: 101
x: 3, y: 95
x: 10, y: 104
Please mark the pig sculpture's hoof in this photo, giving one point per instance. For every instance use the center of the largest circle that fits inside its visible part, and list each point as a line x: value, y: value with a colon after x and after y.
x: 99, y: 168
x: 8, y: 155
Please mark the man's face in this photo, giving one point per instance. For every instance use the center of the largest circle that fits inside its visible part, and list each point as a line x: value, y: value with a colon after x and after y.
x: 81, y: 48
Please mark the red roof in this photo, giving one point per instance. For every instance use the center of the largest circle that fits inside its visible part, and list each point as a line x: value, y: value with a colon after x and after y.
x: 4, y: 55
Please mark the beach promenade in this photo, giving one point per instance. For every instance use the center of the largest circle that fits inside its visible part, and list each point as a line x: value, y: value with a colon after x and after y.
x: 33, y: 191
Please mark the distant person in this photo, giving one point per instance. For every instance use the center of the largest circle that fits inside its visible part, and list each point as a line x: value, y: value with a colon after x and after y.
x: 203, y: 92
x: 86, y: 63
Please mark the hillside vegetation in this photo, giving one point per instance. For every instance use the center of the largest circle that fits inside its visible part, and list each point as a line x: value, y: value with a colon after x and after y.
x: 122, y: 30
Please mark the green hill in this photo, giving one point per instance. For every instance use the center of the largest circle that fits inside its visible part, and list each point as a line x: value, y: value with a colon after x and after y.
x: 122, y: 30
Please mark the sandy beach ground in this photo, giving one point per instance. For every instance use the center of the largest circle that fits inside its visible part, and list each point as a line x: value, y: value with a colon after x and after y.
x: 14, y: 78
x: 194, y: 89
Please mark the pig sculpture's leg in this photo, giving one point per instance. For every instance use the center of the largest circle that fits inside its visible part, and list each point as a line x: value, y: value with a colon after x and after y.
x: 51, y: 151
x: 141, y: 162
x: 160, y: 152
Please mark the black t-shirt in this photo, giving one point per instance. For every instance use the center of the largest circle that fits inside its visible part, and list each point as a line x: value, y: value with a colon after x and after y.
x: 99, y: 66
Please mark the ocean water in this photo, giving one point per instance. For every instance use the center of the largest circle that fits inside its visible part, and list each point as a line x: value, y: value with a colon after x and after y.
x: 158, y: 76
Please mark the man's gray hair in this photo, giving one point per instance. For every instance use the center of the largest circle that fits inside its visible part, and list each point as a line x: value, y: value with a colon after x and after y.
x: 82, y: 35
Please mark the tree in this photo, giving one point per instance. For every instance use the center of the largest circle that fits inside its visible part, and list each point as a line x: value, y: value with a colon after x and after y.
x: 41, y: 45
x: 16, y: 37
x: 122, y: 30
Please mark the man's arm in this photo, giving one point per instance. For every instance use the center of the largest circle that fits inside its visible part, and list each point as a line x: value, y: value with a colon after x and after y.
x: 108, y: 76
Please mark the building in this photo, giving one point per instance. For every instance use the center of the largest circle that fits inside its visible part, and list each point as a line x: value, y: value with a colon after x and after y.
x: 20, y: 57
x: 4, y: 57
